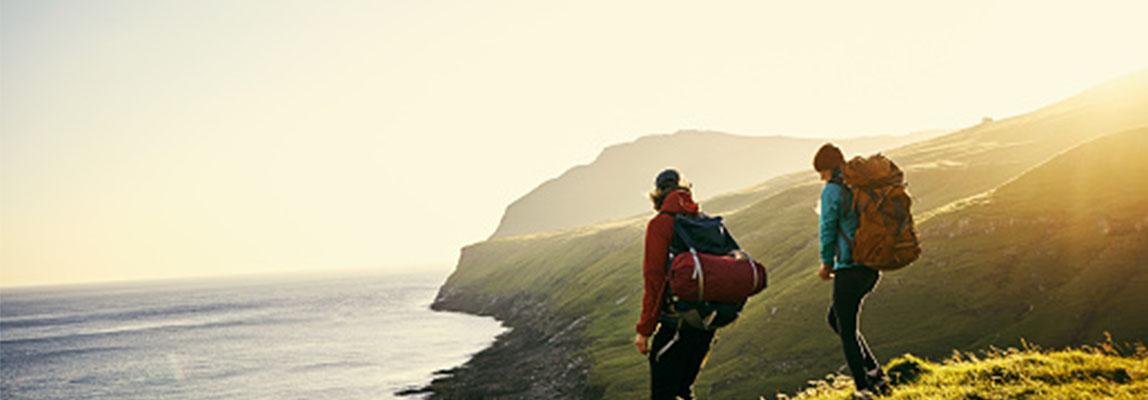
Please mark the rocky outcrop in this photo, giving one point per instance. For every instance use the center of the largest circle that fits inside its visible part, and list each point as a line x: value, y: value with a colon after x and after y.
x: 542, y: 356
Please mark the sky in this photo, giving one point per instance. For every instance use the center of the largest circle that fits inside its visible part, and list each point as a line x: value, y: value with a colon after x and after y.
x: 159, y: 139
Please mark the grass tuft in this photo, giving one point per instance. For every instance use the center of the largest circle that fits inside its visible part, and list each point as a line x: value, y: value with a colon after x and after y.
x: 907, y: 369
x: 1105, y: 371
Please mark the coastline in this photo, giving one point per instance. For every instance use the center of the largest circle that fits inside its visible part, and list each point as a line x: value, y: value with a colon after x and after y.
x: 540, y: 356
x: 200, y: 336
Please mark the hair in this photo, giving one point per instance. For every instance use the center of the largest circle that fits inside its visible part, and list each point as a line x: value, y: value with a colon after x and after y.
x: 828, y: 158
x: 658, y: 196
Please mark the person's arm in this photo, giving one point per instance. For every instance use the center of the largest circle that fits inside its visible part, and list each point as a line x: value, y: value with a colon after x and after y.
x: 659, y: 232
x: 830, y: 214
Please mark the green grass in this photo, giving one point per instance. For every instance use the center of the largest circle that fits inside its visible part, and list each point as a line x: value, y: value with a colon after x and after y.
x: 1106, y: 371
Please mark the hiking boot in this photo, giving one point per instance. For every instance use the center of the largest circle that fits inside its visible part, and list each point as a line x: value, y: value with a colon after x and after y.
x: 878, y: 382
x: 881, y: 387
x: 875, y: 375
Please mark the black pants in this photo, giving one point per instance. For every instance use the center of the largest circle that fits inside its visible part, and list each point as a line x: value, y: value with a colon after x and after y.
x: 850, y: 286
x: 673, y: 369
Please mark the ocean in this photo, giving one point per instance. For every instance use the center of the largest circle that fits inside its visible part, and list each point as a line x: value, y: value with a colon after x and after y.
x: 340, y: 336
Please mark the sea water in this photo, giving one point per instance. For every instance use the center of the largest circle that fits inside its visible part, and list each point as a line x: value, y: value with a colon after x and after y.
x: 344, y: 336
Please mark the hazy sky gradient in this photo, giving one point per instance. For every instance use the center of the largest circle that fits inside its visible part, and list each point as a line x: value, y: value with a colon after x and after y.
x: 150, y: 139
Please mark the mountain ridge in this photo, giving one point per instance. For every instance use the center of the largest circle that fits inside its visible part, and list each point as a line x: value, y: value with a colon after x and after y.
x: 717, y: 161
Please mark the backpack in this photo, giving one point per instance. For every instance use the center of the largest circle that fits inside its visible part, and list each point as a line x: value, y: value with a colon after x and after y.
x: 700, y: 248
x: 886, y: 238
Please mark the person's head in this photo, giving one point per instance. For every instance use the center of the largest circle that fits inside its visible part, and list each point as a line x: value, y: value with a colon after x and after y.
x: 828, y: 159
x: 667, y: 181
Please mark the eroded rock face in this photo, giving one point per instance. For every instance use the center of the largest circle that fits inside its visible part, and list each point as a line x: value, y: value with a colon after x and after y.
x: 540, y: 357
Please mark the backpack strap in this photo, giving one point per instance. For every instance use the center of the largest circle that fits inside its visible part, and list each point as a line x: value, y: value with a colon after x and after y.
x: 670, y: 254
x: 844, y: 212
x: 698, y: 275
x: 667, y: 290
x: 681, y: 233
x: 664, y: 349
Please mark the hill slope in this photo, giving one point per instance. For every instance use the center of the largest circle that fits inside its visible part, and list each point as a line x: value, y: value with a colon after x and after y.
x: 612, y: 186
x: 966, y: 292
x: 1031, y: 259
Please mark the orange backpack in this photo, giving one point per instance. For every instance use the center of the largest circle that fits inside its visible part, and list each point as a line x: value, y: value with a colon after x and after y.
x: 886, y: 238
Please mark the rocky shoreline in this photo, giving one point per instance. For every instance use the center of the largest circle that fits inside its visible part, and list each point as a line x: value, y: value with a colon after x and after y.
x: 540, y: 357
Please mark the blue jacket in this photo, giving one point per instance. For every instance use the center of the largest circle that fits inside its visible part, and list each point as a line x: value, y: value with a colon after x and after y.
x: 838, y: 225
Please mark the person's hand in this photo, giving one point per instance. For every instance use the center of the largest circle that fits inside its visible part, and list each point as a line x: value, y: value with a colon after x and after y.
x: 737, y: 255
x: 642, y: 343
x: 826, y: 272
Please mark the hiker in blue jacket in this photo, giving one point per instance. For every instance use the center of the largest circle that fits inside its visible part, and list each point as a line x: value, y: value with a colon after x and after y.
x: 851, y: 281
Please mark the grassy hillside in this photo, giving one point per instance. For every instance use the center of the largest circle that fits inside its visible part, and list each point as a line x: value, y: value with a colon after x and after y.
x: 1103, y: 372
x: 992, y: 152
x: 612, y: 186
x: 995, y: 268
x: 982, y: 279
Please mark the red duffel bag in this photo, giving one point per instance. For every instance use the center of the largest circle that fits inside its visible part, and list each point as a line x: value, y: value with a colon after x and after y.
x: 722, y: 279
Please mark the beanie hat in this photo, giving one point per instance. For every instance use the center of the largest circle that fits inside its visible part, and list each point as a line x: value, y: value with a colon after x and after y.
x: 828, y: 157
x: 667, y: 179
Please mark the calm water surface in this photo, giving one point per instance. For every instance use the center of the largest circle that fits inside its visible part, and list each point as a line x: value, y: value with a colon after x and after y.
x: 349, y: 336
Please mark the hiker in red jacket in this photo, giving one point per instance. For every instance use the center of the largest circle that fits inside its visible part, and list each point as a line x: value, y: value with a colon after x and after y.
x: 675, y: 354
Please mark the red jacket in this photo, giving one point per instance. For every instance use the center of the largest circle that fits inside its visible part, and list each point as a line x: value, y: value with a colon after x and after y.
x: 659, y: 232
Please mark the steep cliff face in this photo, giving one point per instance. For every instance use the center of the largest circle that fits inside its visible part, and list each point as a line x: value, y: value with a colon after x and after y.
x: 993, y: 268
x: 612, y: 186
x: 542, y: 356
x: 546, y: 353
